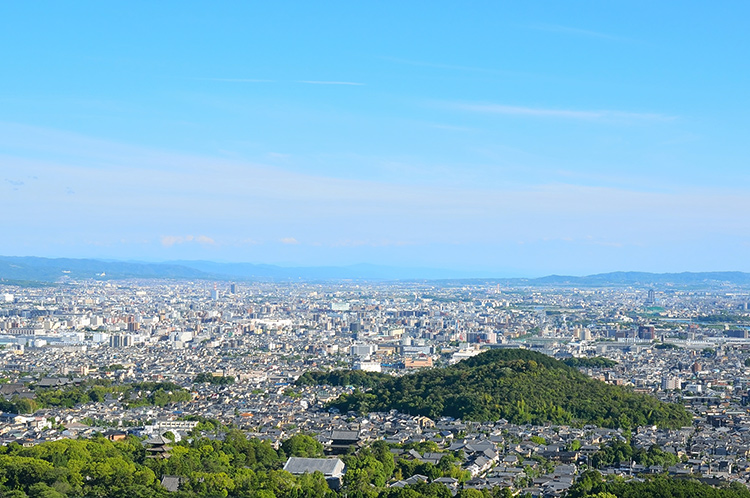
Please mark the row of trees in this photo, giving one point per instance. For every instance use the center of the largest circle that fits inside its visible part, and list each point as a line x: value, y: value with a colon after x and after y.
x: 131, y: 395
x: 359, y: 378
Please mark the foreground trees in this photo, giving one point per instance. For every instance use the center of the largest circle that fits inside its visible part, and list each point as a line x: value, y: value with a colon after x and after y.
x: 206, y: 467
x: 250, y: 468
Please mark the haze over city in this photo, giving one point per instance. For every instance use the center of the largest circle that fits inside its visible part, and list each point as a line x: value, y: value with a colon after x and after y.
x: 511, y: 140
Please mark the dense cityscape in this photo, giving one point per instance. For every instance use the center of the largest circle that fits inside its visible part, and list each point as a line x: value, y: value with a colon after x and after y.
x: 191, y: 359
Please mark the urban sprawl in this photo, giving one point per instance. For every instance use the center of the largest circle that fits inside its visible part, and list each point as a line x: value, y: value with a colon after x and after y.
x: 681, y: 345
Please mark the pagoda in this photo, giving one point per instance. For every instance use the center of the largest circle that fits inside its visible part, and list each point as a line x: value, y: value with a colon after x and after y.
x: 157, y: 447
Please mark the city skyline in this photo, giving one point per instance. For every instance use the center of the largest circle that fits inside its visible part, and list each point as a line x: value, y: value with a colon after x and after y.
x: 519, y: 140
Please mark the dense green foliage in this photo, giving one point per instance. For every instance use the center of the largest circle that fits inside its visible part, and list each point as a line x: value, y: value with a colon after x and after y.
x: 667, y: 345
x: 235, y: 466
x: 221, y: 380
x: 372, y: 468
x: 621, y: 451
x: 520, y: 386
x: 75, y: 468
x: 595, y: 362
x: 17, y: 405
x: 301, y: 445
x: 721, y: 318
x: 240, y: 467
x: 130, y: 395
x: 100, y: 468
x: 592, y: 485
x: 357, y: 378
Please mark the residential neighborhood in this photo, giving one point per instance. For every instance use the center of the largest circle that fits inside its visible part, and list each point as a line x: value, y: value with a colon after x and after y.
x: 237, y: 349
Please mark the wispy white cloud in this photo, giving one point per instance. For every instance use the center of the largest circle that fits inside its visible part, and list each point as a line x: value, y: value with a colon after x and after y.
x: 278, y: 155
x: 256, y: 80
x: 556, y: 28
x: 237, y: 80
x: 451, y: 67
x: 202, y: 239
x: 541, y: 112
x: 370, y: 243
x: 247, y: 241
x: 313, y: 82
x: 439, y: 126
x: 232, y: 199
x: 171, y: 240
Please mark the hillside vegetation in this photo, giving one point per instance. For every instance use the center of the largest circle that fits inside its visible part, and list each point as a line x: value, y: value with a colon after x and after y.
x: 591, y: 484
x: 517, y: 385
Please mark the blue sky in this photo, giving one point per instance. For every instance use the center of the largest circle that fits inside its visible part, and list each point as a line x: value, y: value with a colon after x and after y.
x: 514, y: 139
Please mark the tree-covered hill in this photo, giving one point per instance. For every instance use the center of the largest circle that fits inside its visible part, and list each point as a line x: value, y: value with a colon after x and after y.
x: 520, y: 386
x: 591, y: 484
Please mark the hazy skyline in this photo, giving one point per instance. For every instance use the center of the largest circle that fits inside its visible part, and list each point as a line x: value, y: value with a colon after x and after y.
x: 527, y: 139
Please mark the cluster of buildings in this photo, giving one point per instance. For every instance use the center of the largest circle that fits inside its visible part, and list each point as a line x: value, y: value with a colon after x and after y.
x: 681, y: 345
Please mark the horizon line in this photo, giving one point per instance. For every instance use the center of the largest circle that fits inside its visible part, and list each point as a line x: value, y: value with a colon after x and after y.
x: 467, y: 273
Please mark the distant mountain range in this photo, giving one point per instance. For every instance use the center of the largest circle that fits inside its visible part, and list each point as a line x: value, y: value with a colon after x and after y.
x: 645, y: 278
x: 52, y: 270
x: 36, y: 269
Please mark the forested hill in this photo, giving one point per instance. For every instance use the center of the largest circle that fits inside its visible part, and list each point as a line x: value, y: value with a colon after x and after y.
x: 518, y: 385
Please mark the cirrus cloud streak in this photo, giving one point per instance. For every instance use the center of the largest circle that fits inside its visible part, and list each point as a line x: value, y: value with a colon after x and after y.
x: 171, y: 240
